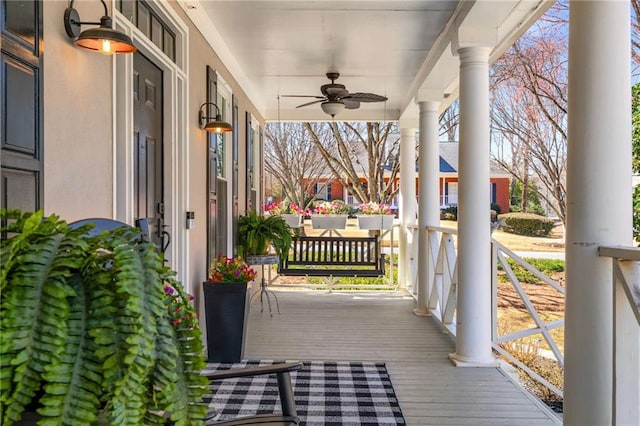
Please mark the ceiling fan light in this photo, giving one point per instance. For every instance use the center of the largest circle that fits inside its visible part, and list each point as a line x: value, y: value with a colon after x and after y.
x: 332, y: 107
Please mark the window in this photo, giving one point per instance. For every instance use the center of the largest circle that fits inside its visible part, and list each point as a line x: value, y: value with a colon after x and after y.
x: 221, y: 137
x: 321, y: 191
x: 140, y: 13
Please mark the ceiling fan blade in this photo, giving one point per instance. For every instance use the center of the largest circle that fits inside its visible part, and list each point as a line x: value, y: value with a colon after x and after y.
x: 350, y: 103
x: 366, y: 97
x: 302, y: 96
x: 326, y: 89
x: 311, y: 103
x: 336, y: 92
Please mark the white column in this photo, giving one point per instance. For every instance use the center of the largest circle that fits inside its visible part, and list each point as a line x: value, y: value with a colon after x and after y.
x: 407, y: 199
x: 429, y: 196
x: 598, y: 199
x: 473, y: 325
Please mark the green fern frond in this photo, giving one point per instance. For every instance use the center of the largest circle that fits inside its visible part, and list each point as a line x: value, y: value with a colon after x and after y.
x: 74, y: 385
x: 190, y: 387
x: 86, y: 322
x: 128, y: 354
x: 34, y: 307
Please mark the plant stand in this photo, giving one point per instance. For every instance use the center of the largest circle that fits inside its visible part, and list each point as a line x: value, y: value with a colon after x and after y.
x: 226, y: 311
x: 264, y: 292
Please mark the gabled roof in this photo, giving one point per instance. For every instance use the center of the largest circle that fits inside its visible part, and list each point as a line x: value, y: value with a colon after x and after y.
x: 445, y: 167
x: 449, y: 160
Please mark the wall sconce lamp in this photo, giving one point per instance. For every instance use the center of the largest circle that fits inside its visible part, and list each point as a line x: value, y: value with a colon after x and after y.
x: 215, y: 126
x: 104, y: 39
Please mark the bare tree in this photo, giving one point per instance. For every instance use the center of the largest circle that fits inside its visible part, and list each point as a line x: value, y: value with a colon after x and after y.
x: 449, y: 121
x: 293, y: 160
x: 363, y: 157
x: 635, y: 35
x: 529, y: 110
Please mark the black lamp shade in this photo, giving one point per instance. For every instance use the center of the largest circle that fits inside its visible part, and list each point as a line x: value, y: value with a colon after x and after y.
x: 105, y: 40
x: 215, y: 126
x: 218, y: 126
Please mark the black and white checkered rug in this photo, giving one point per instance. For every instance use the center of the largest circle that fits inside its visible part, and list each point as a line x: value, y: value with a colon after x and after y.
x: 326, y: 393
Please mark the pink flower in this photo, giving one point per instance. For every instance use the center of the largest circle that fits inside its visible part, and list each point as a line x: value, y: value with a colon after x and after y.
x: 374, y: 208
x: 230, y: 270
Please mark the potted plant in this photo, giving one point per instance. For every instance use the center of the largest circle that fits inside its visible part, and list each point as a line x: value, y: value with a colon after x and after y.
x: 94, y: 329
x: 257, y: 232
x: 290, y: 212
x: 330, y: 215
x: 375, y: 216
x: 227, y: 308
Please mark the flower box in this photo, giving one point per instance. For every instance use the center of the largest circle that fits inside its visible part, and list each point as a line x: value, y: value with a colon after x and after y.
x: 375, y: 221
x: 329, y: 221
x: 293, y: 220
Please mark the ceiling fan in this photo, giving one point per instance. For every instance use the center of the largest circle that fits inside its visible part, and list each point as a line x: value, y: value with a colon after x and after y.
x: 336, y: 97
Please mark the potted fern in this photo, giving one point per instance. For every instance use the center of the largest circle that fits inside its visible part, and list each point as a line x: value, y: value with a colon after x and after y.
x: 94, y: 329
x: 257, y: 232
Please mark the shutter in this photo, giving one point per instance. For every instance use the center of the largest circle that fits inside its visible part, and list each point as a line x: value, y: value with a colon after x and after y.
x: 22, y: 111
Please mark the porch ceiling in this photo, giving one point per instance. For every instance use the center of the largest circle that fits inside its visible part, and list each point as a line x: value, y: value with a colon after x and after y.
x: 392, y: 48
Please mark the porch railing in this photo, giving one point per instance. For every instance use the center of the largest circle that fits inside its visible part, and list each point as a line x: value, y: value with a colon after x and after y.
x: 541, y: 327
x: 442, y: 301
x: 626, y: 332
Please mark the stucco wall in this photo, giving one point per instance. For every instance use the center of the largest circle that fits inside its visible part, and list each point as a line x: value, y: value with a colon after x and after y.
x: 201, y: 55
x: 79, y: 134
x: 78, y: 89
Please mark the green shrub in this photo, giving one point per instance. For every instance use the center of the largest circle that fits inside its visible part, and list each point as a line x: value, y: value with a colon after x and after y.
x: 546, y: 266
x: 636, y: 214
x: 536, y: 209
x: 526, y: 224
x: 449, y: 213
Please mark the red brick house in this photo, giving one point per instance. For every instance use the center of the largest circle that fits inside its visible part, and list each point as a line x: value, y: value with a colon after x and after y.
x: 330, y: 189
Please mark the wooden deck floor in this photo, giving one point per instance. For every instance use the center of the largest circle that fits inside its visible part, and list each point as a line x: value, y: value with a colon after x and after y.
x: 358, y: 326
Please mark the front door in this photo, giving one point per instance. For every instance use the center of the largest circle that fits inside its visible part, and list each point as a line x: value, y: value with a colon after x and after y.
x: 148, y: 145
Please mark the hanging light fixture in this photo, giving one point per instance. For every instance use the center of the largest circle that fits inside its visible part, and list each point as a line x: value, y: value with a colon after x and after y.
x: 332, y: 107
x: 104, y: 39
x: 215, y: 126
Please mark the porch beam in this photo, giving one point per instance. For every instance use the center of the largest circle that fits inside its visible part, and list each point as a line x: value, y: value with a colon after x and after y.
x: 598, y: 183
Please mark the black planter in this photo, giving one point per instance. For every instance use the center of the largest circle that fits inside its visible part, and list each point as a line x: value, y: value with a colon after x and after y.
x: 226, y: 309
